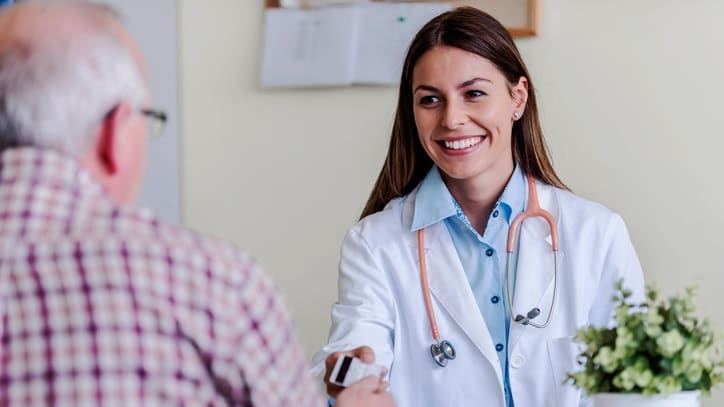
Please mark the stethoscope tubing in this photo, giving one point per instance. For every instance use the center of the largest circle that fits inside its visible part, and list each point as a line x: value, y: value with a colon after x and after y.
x: 425, y: 287
x: 533, y: 209
x: 508, y: 295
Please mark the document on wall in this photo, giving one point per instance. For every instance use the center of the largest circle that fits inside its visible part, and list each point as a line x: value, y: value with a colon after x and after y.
x: 386, y: 31
x: 340, y: 45
x: 309, y: 47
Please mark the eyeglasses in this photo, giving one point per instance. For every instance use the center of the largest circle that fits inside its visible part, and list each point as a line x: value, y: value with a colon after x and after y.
x: 156, y: 121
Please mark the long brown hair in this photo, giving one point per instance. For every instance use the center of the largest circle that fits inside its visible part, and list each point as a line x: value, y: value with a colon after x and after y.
x: 477, y: 32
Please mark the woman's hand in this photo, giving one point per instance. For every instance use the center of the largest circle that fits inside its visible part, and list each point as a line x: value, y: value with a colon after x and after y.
x: 370, y: 391
x: 363, y: 353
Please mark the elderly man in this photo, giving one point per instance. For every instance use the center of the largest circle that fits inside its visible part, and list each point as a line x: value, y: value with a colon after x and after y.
x: 101, y: 303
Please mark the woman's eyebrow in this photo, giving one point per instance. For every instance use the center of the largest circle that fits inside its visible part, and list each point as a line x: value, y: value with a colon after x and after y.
x: 426, y: 87
x: 462, y: 85
x: 472, y: 81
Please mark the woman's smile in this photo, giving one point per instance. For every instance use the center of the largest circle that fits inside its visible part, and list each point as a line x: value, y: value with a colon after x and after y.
x: 461, y: 145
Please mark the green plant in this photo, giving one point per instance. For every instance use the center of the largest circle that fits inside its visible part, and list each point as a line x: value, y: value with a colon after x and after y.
x: 658, y: 347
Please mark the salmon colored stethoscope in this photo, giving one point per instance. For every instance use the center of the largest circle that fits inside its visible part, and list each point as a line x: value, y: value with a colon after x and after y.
x: 443, y: 351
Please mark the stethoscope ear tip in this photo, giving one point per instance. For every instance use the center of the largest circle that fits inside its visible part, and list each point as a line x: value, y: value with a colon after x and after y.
x: 533, y: 313
x: 523, y: 320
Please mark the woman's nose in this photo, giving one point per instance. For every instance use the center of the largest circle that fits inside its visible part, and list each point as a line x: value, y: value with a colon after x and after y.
x: 454, y: 116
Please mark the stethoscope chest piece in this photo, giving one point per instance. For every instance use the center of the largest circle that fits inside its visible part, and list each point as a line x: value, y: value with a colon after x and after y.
x: 442, y: 352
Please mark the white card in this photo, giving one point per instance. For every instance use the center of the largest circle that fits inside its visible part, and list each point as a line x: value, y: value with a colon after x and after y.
x: 349, y: 370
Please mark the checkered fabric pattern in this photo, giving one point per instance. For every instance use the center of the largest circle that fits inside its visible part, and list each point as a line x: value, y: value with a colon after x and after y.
x: 105, y: 305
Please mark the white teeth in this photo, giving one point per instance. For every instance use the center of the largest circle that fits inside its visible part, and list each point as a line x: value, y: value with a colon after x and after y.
x: 462, y: 144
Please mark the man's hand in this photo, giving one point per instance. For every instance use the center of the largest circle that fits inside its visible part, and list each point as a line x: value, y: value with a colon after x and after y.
x: 370, y: 391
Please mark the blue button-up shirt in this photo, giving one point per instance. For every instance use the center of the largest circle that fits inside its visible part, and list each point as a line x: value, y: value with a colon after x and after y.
x: 482, y: 257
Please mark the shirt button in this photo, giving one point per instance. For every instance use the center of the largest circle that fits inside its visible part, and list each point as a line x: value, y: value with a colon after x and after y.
x: 489, y: 252
x: 517, y: 361
x: 496, y: 213
x: 494, y: 299
x: 499, y: 347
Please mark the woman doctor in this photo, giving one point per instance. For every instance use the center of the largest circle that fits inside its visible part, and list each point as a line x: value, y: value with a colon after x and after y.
x: 422, y: 277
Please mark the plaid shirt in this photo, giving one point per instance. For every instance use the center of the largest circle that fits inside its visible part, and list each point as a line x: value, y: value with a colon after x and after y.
x: 105, y: 305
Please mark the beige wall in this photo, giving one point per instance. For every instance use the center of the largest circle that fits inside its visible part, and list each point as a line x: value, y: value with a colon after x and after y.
x: 631, y: 101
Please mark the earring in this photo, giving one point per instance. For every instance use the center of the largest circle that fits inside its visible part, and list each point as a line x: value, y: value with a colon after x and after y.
x: 516, y: 115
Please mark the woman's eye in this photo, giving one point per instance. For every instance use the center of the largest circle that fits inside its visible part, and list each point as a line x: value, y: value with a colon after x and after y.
x: 428, y: 100
x: 474, y: 93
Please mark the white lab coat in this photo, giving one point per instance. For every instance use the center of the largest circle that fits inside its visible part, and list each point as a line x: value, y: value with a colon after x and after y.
x: 381, y: 304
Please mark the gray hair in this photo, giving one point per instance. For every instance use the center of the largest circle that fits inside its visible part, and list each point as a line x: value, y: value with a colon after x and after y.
x: 53, y: 94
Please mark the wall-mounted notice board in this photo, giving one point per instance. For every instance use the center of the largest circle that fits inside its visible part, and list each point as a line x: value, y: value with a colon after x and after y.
x: 521, y: 17
x: 316, y: 43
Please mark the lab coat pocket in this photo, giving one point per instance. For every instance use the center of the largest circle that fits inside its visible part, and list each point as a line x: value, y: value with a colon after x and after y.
x: 563, y: 353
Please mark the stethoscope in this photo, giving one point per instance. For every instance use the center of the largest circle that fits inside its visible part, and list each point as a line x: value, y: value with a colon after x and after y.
x: 442, y: 350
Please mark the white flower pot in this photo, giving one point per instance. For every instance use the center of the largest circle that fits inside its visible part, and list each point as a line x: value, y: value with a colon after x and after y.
x: 680, y: 399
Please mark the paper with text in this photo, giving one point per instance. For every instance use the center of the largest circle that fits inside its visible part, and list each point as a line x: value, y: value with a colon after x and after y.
x: 309, y: 47
x: 386, y: 32
x: 341, y: 45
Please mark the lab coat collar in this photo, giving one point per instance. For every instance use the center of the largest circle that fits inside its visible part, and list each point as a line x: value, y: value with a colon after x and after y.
x: 449, y: 286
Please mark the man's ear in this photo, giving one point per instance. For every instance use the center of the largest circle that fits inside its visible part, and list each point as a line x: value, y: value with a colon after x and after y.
x: 109, y: 147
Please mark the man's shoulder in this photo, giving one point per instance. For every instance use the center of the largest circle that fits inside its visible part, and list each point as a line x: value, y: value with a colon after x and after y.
x: 180, y: 240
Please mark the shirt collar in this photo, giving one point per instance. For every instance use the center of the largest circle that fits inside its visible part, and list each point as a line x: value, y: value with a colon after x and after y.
x: 435, y: 203
x: 512, y: 200
x: 46, y: 168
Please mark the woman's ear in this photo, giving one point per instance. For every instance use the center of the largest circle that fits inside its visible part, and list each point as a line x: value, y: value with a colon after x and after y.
x: 520, y: 95
x: 110, y: 141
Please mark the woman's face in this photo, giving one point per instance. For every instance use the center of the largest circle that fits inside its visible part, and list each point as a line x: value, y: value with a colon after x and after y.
x: 464, y: 113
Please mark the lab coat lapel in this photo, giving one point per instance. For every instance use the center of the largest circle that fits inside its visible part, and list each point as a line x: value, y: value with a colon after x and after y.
x: 534, y: 276
x: 450, y: 287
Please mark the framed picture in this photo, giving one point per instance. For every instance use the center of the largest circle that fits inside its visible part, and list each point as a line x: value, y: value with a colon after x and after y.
x: 520, y: 17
